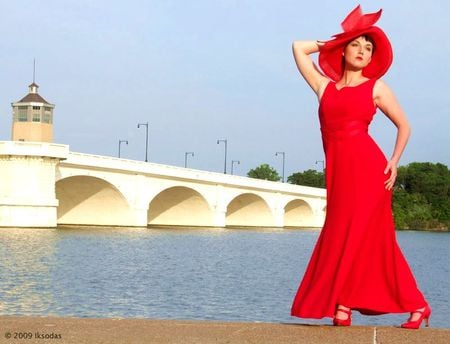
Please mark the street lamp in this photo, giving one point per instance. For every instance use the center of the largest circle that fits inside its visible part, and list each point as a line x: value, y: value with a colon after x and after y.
x: 185, y: 157
x: 284, y: 158
x: 225, y: 164
x: 120, y: 142
x: 323, y: 164
x: 232, y: 164
x: 323, y: 170
x: 146, y: 138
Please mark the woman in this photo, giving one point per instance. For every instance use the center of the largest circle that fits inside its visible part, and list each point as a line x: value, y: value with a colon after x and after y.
x: 356, y: 264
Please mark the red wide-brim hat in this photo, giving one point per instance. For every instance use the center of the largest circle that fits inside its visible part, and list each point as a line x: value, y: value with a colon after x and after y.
x: 355, y: 25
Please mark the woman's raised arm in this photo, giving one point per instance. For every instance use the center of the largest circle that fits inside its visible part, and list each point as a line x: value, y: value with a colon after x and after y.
x: 315, y: 79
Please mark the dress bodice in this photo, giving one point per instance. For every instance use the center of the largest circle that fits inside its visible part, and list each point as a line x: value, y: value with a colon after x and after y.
x: 346, y: 111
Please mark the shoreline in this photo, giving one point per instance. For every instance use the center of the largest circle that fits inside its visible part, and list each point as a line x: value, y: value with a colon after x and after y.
x: 121, y: 330
x: 204, y: 228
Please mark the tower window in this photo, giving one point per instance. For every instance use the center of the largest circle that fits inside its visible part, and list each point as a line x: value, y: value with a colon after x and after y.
x: 47, y: 118
x: 36, y: 117
x: 22, y: 114
x: 22, y: 117
x: 36, y: 107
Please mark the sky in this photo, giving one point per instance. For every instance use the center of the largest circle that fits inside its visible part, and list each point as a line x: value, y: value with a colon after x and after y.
x: 199, y: 71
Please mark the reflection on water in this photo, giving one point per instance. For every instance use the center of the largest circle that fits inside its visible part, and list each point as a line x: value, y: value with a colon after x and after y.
x: 214, y: 274
x: 26, y: 257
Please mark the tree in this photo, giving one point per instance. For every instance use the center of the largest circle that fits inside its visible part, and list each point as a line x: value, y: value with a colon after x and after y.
x: 264, y: 171
x: 433, y: 182
x: 411, y: 211
x: 422, y: 196
x: 308, y: 178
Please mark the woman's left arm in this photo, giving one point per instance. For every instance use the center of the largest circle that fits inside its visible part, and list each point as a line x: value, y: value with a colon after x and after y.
x: 385, y: 99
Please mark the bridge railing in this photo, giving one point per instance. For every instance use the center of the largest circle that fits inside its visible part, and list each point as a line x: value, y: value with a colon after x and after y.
x: 27, y: 148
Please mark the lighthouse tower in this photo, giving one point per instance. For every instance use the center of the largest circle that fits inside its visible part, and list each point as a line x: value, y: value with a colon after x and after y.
x: 28, y: 165
x: 32, y: 118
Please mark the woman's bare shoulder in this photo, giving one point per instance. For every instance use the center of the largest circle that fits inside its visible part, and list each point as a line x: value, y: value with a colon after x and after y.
x: 381, y: 89
x: 381, y: 86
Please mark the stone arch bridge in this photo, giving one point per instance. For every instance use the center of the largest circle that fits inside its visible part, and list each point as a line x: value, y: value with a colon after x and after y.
x: 46, y: 185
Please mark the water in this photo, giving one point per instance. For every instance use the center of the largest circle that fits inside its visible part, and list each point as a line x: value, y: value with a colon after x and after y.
x: 230, y: 275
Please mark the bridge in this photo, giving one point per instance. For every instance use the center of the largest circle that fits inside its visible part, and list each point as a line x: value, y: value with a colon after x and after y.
x: 47, y: 185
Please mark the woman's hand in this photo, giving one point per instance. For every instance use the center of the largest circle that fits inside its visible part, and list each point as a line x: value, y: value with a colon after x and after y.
x: 392, y: 168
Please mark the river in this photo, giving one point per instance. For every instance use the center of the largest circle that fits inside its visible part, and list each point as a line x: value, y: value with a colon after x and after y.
x: 204, y: 274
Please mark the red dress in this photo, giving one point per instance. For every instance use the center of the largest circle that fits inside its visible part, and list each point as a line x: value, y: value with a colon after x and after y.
x: 356, y: 261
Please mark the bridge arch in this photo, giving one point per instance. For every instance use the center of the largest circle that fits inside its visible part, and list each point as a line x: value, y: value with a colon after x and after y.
x: 298, y: 213
x: 249, y: 209
x: 179, y: 206
x: 88, y: 200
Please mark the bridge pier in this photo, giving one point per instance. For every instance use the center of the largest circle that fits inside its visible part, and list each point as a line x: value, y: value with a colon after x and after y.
x: 279, y: 217
x: 27, y: 187
x: 219, y: 216
x: 319, y: 210
x: 140, y: 217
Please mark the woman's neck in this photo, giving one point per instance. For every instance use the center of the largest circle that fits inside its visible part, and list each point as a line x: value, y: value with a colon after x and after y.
x: 351, y: 78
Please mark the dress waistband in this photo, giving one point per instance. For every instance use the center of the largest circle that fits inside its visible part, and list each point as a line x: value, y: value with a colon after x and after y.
x: 344, y: 130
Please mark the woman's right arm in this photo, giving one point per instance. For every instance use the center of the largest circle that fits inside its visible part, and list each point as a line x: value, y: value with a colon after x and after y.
x: 315, y: 79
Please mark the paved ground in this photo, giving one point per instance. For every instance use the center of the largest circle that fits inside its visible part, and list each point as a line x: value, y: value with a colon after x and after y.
x: 129, y: 331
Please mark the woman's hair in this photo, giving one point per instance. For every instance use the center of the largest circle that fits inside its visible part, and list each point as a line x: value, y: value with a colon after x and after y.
x: 369, y: 39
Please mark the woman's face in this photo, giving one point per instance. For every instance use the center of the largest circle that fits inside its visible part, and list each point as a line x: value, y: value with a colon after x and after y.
x: 358, y: 53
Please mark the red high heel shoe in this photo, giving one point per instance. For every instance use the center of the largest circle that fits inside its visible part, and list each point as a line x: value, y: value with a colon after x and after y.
x: 424, y: 315
x: 343, y: 322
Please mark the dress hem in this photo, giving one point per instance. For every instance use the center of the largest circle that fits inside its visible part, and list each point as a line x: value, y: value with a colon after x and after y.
x: 363, y: 311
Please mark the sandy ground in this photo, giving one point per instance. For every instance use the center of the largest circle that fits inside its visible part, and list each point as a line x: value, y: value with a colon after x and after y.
x: 87, y: 330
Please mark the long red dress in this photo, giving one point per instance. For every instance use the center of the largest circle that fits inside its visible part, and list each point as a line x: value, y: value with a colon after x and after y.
x: 356, y: 261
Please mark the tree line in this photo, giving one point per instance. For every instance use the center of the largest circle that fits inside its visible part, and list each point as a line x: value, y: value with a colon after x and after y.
x: 421, y: 198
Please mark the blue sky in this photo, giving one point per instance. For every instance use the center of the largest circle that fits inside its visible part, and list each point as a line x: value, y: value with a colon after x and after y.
x: 203, y: 70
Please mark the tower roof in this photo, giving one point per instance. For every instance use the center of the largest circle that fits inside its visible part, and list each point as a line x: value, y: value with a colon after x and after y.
x: 33, y: 96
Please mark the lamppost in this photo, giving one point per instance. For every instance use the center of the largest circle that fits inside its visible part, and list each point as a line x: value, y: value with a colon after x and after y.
x: 232, y: 164
x: 323, y: 171
x: 323, y: 164
x: 284, y: 158
x: 185, y: 157
x: 120, y: 142
x: 146, y: 138
x: 225, y: 164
